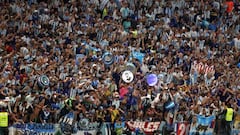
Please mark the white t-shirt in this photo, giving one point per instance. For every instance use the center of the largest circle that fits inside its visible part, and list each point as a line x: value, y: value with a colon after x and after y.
x: 29, y: 100
x: 236, y: 43
x: 144, y: 68
x: 116, y: 103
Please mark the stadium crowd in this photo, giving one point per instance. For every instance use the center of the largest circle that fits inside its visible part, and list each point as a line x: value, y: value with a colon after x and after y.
x: 193, y: 47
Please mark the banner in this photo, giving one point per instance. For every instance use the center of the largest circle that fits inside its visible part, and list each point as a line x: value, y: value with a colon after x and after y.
x: 92, y: 132
x: 182, y: 128
x: 44, y: 129
x: 32, y: 129
x: 56, y: 129
x: 202, y: 68
x: 146, y: 127
x: 202, y: 125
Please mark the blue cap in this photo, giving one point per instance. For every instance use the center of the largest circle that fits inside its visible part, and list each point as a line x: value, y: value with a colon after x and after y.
x: 238, y: 65
x: 94, y: 83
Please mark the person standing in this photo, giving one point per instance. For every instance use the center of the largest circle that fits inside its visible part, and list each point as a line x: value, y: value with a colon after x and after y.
x: 3, y: 121
x: 229, y: 116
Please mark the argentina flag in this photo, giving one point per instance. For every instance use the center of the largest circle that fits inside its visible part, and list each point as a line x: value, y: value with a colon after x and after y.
x: 203, y: 126
x: 206, y: 121
x: 66, y: 123
x: 138, y: 55
x: 103, y: 4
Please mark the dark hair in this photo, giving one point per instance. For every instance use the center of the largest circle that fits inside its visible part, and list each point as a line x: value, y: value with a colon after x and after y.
x: 228, y: 104
x: 23, y: 71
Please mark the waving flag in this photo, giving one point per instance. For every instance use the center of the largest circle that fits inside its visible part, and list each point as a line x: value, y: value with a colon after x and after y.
x: 103, y: 4
x: 203, y: 126
x: 138, y: 55
x: 205, y: 121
